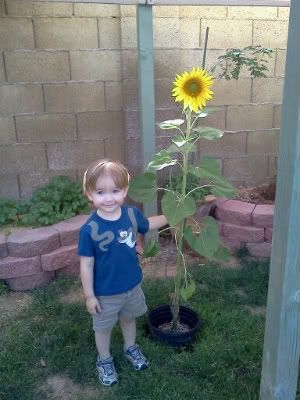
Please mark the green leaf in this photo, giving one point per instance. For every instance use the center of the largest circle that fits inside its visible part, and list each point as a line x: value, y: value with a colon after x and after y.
x: 205, y: 111
x: 142, y: 188
x: 222, y: 254
x: 151, y: 248
x: 221, y: 187
x: 175, y: 210
x: 188, y: 291
x: 208, y: 167
x: 179, y: 141
x: 208, y: 133
x: 161, y: 160
x: 206, y: 242
x: 171, y: 124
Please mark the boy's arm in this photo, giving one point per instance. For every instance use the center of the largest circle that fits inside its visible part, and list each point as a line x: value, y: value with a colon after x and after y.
x: 87, y: 277
x: 157, y: 221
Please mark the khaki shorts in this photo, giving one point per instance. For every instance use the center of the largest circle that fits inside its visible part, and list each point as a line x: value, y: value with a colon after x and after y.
x: 130, y: 304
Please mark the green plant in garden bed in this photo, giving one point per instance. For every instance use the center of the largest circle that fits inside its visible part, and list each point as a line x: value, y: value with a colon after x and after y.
x: 60, y: 199
x: 194, y: 90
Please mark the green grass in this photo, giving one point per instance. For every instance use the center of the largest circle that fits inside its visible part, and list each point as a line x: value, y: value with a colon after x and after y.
x: 53, y: 337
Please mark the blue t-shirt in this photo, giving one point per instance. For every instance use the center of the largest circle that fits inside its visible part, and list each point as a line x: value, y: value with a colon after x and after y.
x: 112, y: 244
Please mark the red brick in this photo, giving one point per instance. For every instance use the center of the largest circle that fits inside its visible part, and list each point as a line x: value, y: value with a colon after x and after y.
x: 12, y: 267
x: 71, y: 270
x: 259, y: 249
x: 59, y: 258
x: 68, y: 230
x: 3, y: 247
x: 263, y: 215
x: 31, y: 281
x: 243, y: 233
x: 232, y: 244
x: 32, y: 242
x: 235, y: 212
x: 268, y: 235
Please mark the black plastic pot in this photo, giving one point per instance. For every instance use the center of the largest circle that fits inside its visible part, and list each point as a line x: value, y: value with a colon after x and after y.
x: 162, y: 314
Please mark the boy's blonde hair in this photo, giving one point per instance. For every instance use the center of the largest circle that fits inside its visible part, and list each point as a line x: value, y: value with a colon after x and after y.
x: 114, y: 169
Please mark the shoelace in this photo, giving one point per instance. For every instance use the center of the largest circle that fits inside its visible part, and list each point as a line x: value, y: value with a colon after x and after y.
x: 108, y: 369
x: 136, y: 354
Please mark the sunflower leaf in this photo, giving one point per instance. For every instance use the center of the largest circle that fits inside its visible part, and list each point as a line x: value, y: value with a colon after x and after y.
x: 171, y: 124
x: 161, y: 160
x: 188, y: 291
x: 175, y: 210
x: 208, y: 133
x: 142, y: 188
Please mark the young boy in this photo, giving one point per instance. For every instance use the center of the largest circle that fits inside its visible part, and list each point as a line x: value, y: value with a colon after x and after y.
x: 109, y: 267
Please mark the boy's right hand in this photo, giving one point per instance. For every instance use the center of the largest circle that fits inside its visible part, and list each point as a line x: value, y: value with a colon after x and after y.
x: 93, y: 305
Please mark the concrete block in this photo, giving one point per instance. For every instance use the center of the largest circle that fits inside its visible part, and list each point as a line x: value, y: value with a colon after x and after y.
x: 259, y: 249
x: 277, y: 116
x: 128, y: 11
x: 134, y: 162
x: 30, y: 282
x: 2, y: 69
x: 22, y: 157
x: 128, y: 32
x: 12, y: 267
x: 246, y: 168
x: 163, y: 97
x: 34, y: 179
x: 229, y: 144
x: 18, y: 98
x: 166, y: 11
x: 96, y: 10
x: 131, y: 124
x: 263, y: 215
x: 216, y: 12
x: 46, y: 128
x: 272, y: 166
x: 76, y: 97
x: 224, y: 33
x: 9, y: 187
x: 268, y: 90
x: 249, y: 117
x: 280, y: 62
x: 37, y: 66
x: 130, y: 91
x: 2, y: 7
x: 115, y: 149
x: 231, y: 244
x: 231, y: 92
x: 243, y: 233
x: 100, y: 125
x: 68, y: 230
x: 251, y: 12
x: 216, y: 120
x: 166, y: 63
x: 270, y: 33
x: 28, y: 8
x: 113, y: 96
x: 70, y: 270
x: 3, y: 247
x: 7, y: 131
x: 69, y: 155
x: 235, y: 212
x: 58, y: 33
x: 189, y: 32
x: 129, y: 64
x: 261, y: 142
x: 109, y: 33
x: 166, y: 32
x: 32, y: 242
x: 96, y: 65
x: 284, y: 12
x: 16, y: 33
x: 268, y: 235
x: 59, y: 258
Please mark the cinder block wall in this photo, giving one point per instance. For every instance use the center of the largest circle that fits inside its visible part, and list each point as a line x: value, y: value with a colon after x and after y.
x: 68, y: 87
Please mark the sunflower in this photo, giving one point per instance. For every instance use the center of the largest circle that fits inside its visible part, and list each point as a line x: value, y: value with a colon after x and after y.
x: 193, y: 88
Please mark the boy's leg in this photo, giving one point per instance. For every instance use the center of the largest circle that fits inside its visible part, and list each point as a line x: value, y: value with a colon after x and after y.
x: 128, y: 328
x: 103, y: 343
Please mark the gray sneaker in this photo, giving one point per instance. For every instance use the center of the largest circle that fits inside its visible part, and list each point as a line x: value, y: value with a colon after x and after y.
x: 136, y: 357
x: 106, y: 371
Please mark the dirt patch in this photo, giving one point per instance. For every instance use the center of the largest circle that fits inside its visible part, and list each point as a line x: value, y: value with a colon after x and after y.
x: 261, y: 194
x: 63, y: 388
x: 256, y: 310
x: 75, y: 295
x: 12, y: 303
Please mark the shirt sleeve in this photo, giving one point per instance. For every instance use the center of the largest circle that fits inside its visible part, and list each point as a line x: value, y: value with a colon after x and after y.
x: 85, y: 244
x: 142, y: 222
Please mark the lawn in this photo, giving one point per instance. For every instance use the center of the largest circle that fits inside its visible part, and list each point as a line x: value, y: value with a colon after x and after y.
x: 47, y: 350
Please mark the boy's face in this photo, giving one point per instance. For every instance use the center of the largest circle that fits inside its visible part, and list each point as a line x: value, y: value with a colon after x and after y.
x: 107, y: 197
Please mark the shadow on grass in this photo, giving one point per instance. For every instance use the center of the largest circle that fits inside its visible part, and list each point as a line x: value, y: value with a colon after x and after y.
x: 54, y: 338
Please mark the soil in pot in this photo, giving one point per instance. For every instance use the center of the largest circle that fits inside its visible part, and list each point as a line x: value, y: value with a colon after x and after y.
x: 159, y: 321
x: 261, y: 194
